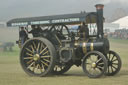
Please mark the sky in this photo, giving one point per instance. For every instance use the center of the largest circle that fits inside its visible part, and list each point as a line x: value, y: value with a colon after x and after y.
x: 10, y: 9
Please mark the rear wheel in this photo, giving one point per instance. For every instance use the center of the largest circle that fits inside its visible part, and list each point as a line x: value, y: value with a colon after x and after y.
x: 38, y: 57
x: 114, y: 63
x: 94, y: 64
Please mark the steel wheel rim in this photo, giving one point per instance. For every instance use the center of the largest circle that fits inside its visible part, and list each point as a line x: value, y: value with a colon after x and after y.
x: 94, y: 65
x: 36, y: 57
x: 113, y: 63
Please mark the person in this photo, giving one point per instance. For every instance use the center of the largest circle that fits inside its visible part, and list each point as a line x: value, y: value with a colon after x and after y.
x: 84, y: 31
x: 36, y: 30
x: 23, y: 35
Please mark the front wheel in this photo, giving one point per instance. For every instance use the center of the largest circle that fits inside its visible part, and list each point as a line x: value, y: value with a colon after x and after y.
x: 94, y: 64
x: 38, y: 57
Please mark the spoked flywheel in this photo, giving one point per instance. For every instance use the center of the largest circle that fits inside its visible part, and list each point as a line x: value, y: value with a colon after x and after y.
x: 38, y: 57
x: 94, y: 64
x: 114, y: 63
x: 60, y: 69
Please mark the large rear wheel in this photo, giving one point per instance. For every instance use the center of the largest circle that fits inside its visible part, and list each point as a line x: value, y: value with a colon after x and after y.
x: 38, y: 57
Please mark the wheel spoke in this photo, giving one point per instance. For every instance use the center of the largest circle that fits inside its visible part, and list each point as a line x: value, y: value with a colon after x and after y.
x: 98, y: 60
x: 40, y: 68
x: 29, y: 54
x: 114, y: 60
x: 45, y: 56
x: 115, y: 63
x: 45, y: 53
x: 32, y: 48
x: 30, y: 61
x: 38, y: 47
x: 44, y: 63
x: 29, y: 50
x: 43, y: 50
x: 46, y: 60
x: 30, y: 65
x: 99, y: 67
x: 100, y: 64
x: 34, y: 66
x: 34, y: 45
x: 114, y: 67
x: 112, y: 57
x: 28, y: 57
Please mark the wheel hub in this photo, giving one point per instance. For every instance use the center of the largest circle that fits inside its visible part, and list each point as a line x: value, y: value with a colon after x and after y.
x: 36, y: 57
x: 110, y: 63
x: 93, y: 65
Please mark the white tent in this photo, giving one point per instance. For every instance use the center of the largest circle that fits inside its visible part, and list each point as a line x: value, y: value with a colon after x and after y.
x: 123, y: 22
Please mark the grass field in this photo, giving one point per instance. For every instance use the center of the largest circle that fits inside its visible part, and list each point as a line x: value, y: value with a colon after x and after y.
x: 12, y: 74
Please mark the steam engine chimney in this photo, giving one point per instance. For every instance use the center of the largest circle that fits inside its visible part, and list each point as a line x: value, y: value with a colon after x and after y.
x: 99, y: 8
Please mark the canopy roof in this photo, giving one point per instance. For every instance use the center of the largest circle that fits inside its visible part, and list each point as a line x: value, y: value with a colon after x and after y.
x: 75, y: 18
x: 123, y: 22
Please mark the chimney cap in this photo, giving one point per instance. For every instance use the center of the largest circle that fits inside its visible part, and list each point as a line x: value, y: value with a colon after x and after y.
x: 99, y: 6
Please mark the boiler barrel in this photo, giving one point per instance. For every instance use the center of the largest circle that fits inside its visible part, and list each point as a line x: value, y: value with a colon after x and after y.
x: 91, y: 46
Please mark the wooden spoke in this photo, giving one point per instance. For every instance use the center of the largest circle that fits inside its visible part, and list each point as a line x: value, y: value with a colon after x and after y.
x: 38, y: 47
x: 112, y: 57
x: 99, y: 67
x: 28, y: 57
x: 30, y: 64
x: 29, y: 54
x: 114, y: 60
x: 34, y: 45
x: 43, y: 50
x: 45, y: 53
x: 30, y: 61
x: 29, y: 50
x: 115, y: 63
x: 100, y: 64
x: 45, y: 63
x: 46, y: 60
x: 45, y: 56
x: 34, y: 66
x: 114, y: 67
x: 98, y: 60
x: 40, y: 68
x: 32, y: 48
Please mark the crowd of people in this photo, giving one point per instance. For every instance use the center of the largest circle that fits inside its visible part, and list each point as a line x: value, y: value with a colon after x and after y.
x: 120, y: 34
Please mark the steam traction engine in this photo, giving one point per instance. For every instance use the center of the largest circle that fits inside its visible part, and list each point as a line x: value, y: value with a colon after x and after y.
x: 57, y: 48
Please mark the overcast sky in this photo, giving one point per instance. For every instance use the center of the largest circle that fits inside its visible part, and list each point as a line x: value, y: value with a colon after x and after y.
x: 10, y: 9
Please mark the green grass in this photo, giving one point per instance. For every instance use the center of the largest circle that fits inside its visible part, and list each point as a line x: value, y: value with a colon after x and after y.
x: 119, y: 40
x: 11, y: 72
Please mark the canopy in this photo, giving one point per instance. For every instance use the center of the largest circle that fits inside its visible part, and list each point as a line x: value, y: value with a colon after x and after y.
x: 123, y: 22
x: 75, y: 18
